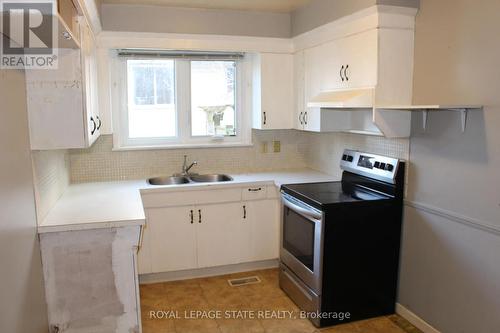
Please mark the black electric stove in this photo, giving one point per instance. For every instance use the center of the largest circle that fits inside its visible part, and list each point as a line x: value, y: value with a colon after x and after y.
x: 321, y: 195
x: 340, y: 241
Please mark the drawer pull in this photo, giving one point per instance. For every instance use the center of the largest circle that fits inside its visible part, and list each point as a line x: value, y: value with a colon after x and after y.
x: 94, y: 126
x: 244, y: 211
x: 191, y: 215
x: 255, y: 189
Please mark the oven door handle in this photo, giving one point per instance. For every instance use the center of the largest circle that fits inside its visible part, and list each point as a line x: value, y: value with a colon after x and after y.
x: 307, y: 213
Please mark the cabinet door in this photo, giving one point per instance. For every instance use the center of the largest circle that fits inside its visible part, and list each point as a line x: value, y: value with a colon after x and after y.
x: 263, y: 217
x: 89, y: 71
x: 332, y: 76
x: 273, y: 98
x: 298, y: 76
x: 172, y: 239
x: 54, y: 100
x: 343, y: 63
x: 223, y: 237
x: 359, y: 52
x: 312, y: 119
x: 313, y: 71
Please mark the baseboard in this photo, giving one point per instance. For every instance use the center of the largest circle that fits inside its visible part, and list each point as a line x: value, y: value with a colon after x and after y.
x: 209, y: 271
x: 415, y: 320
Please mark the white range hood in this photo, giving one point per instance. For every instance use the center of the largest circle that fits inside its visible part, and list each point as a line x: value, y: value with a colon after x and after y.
x: 360, y: 98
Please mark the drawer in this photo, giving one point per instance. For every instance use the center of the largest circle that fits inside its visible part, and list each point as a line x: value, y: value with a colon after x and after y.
x: 258, y: 192
x: 186, y: 198
x: 304, y: 297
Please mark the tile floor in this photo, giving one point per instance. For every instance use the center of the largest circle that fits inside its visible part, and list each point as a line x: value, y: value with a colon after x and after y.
x: 213, y: 297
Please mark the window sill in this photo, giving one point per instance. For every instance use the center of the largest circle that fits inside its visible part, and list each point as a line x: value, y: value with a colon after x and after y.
x: 185, y: 146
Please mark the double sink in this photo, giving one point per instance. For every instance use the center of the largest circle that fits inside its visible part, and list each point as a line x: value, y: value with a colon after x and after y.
x: 189, y: 179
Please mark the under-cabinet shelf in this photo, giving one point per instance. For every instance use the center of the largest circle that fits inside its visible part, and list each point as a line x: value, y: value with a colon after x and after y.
x: 462, y: 109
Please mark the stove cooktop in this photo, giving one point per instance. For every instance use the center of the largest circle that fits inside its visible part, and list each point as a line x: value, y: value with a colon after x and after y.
x: 322, y: 194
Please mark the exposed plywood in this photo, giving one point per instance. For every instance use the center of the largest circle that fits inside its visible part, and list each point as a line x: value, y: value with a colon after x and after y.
x: 281, y: 6
x: 90, y: 280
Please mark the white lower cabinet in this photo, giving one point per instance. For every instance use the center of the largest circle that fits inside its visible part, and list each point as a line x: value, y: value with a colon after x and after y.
x: 209, y: 235
x: 223, y: 234
x: 263, y: 218
x: 172, y: 236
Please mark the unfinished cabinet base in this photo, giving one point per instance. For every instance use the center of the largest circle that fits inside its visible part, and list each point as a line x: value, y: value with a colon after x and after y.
x: 91, y: 282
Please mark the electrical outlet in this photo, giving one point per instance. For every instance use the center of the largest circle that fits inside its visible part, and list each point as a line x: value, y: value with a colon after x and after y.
x: 276, y: 146
x: 264, y: 147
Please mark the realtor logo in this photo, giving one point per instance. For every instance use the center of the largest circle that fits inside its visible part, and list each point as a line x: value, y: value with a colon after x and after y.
x: 29, y: 34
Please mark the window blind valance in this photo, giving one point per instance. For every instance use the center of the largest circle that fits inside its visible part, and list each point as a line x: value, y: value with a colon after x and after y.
x: 180, y: 54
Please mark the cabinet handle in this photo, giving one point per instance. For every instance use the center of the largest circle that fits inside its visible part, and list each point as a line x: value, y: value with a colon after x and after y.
x: 345, y: 73
x: 300, y: 118
x: 94, y: 126
x: 244, y: 211
x: 100, y: 122
x: 305, y: 117
x: 199, y: 215
x: 191, y: 215
x: 255, y: 189
x: 265, y: 118
x: 341, y: 73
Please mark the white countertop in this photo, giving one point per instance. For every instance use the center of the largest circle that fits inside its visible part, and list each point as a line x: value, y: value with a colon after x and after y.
x: 96, y: 205
x: 114, y: 204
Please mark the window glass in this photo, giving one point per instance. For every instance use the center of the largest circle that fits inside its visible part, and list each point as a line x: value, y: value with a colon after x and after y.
x: 151, y: 101
x: 213, y: 98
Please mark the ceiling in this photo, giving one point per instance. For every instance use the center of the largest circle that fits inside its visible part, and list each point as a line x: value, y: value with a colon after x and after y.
x: 280, y: 6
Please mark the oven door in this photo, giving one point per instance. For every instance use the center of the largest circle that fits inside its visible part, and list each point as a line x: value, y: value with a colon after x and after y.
x: 302, y: 241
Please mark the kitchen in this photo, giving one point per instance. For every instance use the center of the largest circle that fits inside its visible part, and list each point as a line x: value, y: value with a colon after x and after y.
x: 147, y: 175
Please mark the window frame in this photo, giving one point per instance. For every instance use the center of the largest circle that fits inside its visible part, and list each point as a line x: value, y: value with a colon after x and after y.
x: 184, y: 137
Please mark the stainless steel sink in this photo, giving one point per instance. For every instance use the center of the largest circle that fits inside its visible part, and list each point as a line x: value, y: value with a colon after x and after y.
x: 210, y: 178
x: 179, y: 180
x: 168, y: 180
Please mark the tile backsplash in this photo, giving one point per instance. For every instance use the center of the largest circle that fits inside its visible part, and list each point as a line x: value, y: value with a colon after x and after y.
x: 100, y: 163
x: 51, y: 178
x: 324, y: 150
x: 319, y: 151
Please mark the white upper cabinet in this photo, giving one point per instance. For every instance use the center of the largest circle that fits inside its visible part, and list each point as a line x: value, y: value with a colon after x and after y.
x: 299, y: 90
x: 272, y: 91
x: 346, y: 70
x: 349, y: 62
x: 357, y: 73
x: 90, y: 84
x: 352, y: 62
x: 309, y: 73
x: 62, y: 102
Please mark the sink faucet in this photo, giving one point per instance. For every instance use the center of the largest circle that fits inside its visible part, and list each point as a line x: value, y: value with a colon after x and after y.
x: 186, y: 168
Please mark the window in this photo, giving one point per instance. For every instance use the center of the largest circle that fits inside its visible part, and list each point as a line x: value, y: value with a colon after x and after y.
x: 178, y: 101
x: 213, y: 98
x: 151, y: 98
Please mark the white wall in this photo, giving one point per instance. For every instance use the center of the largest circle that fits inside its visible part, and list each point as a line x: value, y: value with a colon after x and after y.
x: 450, y: 264
x: 163, y: 19
x: 22, y: 303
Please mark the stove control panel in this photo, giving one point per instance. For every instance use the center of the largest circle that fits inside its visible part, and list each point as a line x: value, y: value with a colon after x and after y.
x: 370, y: 165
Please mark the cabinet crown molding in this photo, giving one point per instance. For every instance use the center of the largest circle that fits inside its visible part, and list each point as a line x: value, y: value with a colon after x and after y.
x: 374, y: 17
